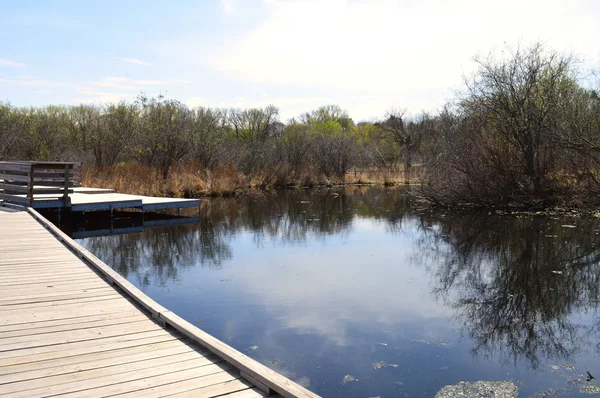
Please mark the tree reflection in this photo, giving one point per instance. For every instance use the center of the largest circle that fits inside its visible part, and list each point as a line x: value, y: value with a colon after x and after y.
x: 156, y: 255
x: 514, y: 282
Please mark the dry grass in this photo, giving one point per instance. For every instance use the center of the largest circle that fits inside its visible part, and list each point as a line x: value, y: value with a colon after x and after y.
x: 133, y: 178
x: 189, y: 180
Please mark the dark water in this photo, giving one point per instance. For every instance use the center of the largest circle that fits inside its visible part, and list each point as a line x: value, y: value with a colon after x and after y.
x: 333, y: 285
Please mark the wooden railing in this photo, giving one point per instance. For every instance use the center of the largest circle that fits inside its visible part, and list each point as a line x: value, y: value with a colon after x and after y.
x: 38, y: 184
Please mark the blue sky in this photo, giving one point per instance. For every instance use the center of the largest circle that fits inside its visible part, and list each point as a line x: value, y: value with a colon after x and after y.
x: 366, y: 56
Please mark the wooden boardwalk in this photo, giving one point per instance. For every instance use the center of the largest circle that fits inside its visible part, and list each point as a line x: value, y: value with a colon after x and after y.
x: 71, y: 326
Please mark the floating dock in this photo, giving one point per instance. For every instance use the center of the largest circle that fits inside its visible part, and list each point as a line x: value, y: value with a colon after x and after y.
x: 72, y: 326
x: 57, y: 185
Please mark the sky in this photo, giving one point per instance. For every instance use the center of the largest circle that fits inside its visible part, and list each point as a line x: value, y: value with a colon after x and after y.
x: 367, y: 56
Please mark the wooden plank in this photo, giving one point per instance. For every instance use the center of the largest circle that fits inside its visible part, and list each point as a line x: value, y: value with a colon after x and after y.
x: 52, y: 264
x: 95, y: 296
x: 50, y: 311
x: 55, y: 286
x: 14, y: 177
x: 14, y: 199
x: 69, y: 321
x: 72, y: 326
x: 152, y: 377
x: 20, y: 342
x: 46, y: 353
x: 215, y: 384
x: 60, y: 183
x: 12, y: 291
x: 12, y: 188
x: 115, y: 378
x: 249, y: 393
x: 53, y: 315
x: 221, y: 387
x: 42, y: 272
x: 22, y: 168
x: 98, y: 361
x: 37, y: 165
x: 51, y: 191
x: 46, y: 274
x: 52, y: 175
x: 87, y: 356
x: 106, y: 293
x: 48, y: 279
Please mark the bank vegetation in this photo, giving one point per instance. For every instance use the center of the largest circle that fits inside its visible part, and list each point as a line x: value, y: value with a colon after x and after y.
x: 524, y: 132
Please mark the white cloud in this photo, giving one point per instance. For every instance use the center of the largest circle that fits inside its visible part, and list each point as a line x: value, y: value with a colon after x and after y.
x: 395, y: 53
x: 228, y: 6
x: 31, y: 82
x: 95, y: 96
x: 369, y: 302
x: 7, y: 62
x: 124, y: 83
x: 135, y: 61
x: 180, y: 81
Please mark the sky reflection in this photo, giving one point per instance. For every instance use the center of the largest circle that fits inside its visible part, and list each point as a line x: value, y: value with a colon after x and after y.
x: 320, y: 285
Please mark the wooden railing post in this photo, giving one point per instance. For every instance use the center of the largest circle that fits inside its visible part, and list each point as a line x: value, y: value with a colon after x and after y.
x: 66, y: 186
x: 30, y: 185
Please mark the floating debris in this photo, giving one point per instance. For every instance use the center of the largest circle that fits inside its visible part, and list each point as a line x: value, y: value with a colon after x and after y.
x: 590, y: 389
x: 440, y: 343
x: 551, y: 236
x: 383, y: 364
x: 557, y: 272
x: 568, y: 367
x: 480, y: 389
x: 349, y: 379
x: 399, y: 383
x: 304, y: 202
x: 382, y: 344
x: 253, y: 348
x: 568, y: 226
x: 551, y: 392
x: 273, y: 362
x: 555, y: 367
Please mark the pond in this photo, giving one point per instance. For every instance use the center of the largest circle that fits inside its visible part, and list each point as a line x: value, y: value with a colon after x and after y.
x: 358, y: 292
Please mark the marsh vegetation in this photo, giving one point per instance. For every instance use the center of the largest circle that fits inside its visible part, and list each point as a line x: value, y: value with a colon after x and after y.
x: 524, y: 132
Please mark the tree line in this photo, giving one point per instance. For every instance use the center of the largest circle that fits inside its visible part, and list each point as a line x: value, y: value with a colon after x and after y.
x: 524, y: 131
x: 160, y: 133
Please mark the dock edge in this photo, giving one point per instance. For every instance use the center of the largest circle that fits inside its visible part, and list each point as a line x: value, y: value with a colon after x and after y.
x: 254, y: 372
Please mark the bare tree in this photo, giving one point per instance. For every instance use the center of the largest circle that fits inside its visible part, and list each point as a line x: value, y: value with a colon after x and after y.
x: 253, y: 124
x: 10, y: 132
x: 209, y: 136
x: 166, y: 137
x: 408, y: 134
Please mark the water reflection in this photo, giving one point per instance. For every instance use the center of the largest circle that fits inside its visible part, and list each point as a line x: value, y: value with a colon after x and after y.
x: 319, y: 278
x: 514, y: 282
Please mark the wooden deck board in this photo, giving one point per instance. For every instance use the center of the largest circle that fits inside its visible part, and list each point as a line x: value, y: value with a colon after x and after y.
x: 71, y: 326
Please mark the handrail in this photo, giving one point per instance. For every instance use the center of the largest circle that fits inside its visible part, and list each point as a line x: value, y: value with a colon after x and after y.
x: 25, y: 182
